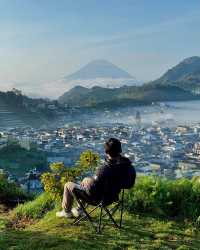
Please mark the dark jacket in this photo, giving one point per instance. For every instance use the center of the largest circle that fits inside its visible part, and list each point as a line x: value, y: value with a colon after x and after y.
x: 108, y: 179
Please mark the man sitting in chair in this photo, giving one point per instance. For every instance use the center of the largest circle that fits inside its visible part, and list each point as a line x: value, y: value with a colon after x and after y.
x: 105, y: 184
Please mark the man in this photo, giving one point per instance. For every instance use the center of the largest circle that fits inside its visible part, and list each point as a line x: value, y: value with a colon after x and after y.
x: 106, y: 184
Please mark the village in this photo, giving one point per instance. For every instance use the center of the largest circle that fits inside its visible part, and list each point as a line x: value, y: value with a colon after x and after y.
x: 162, y: 151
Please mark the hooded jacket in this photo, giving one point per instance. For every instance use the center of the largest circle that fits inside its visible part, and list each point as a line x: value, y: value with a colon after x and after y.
x: 109, y: 179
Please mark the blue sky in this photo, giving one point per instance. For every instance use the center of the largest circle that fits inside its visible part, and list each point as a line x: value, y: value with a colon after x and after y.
x: 43, y: 40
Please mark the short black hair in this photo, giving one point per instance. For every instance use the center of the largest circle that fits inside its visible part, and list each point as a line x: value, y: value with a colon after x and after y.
x: 113, y: 147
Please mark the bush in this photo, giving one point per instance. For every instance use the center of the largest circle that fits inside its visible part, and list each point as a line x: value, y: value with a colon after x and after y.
x: 180, y: 198
x: 34, y: 209
x: 55, y: 179
x: 9, y: 192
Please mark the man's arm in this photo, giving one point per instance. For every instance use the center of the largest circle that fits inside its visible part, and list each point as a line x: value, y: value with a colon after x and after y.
x: 87, y: 182
x: 94, y: 180
x: 100, y: 177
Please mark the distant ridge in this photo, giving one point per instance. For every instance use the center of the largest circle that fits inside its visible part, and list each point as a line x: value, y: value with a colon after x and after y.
x: 78, y: 92
x: 124, y: 96
x: 185, y: 75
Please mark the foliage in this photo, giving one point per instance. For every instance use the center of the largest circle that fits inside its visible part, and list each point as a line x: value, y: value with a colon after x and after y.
x: 18, y: 160
x: 166, y: 197
x: 89, y: 160
x: 34, y: 209
x: 10, y: 192
x: 55, y: 179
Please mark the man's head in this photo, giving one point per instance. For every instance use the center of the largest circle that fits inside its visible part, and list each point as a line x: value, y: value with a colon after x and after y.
x: 113, y: 147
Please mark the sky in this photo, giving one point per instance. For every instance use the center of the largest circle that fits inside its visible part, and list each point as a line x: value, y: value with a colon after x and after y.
x: 42, y: 41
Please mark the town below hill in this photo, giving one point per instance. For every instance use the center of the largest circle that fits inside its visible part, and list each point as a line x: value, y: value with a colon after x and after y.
x: 172, y: 153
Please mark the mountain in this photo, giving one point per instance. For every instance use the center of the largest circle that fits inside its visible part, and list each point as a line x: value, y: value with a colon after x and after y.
x: 185, y: 75
x: 100, y: 73
x: 96, y: 73
x: 99, y: 69
x: 182, y: 82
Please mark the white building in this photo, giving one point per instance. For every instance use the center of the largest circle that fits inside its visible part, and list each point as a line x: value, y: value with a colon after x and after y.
x: 25, y: 142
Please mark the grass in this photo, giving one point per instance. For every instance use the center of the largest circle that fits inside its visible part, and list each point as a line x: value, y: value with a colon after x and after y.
x: 138, y: 232
x: 34, y: 209
x: 34, y: 225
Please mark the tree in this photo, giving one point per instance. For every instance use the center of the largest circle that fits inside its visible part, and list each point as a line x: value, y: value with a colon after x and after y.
x: 55, y: 179
x: 59, y: 174
x: 89, y: 160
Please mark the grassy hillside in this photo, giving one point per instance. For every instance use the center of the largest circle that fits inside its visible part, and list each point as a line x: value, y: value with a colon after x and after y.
x: 159, y: 214
x: 138, y: 232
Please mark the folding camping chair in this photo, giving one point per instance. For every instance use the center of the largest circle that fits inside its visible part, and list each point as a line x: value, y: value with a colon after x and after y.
x: 104, y: 210
x: 118, y: 204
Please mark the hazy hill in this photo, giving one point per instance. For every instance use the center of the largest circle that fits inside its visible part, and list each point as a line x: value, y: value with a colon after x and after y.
x: 104, y: 97
x: 78, y: 92
x: 185, y: 75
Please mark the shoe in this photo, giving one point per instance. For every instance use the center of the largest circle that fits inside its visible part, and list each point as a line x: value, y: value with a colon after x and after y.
x: 64, y: 214
x: 77, y: 211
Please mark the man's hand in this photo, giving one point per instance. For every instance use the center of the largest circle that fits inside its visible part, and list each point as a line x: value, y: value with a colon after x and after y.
x: 86, y: 182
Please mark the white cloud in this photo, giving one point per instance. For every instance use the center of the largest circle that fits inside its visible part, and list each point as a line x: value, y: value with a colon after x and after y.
x: 55, y: 89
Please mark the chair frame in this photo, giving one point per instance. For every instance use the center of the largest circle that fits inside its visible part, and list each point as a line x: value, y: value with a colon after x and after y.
x: 104, y: 211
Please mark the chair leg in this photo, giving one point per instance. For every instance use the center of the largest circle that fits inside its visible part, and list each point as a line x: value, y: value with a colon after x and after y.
x: 114, y: 210
x: 77, y: 220
x: 109, y: 212
x: 110, y: 216
x: 100, y: 218
x: 122, y: 209
x: 86, y: 215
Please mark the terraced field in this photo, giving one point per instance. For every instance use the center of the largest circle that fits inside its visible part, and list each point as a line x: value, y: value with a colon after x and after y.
x: 8, y: 118
x: 12, y: 119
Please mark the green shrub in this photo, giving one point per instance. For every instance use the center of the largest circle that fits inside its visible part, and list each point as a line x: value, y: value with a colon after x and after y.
x: 140, y: 197
x: 34, y: 209
x: 88, y: 160
x: 55, y: 179
x: 180, y: 198
x: 10, y: 192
